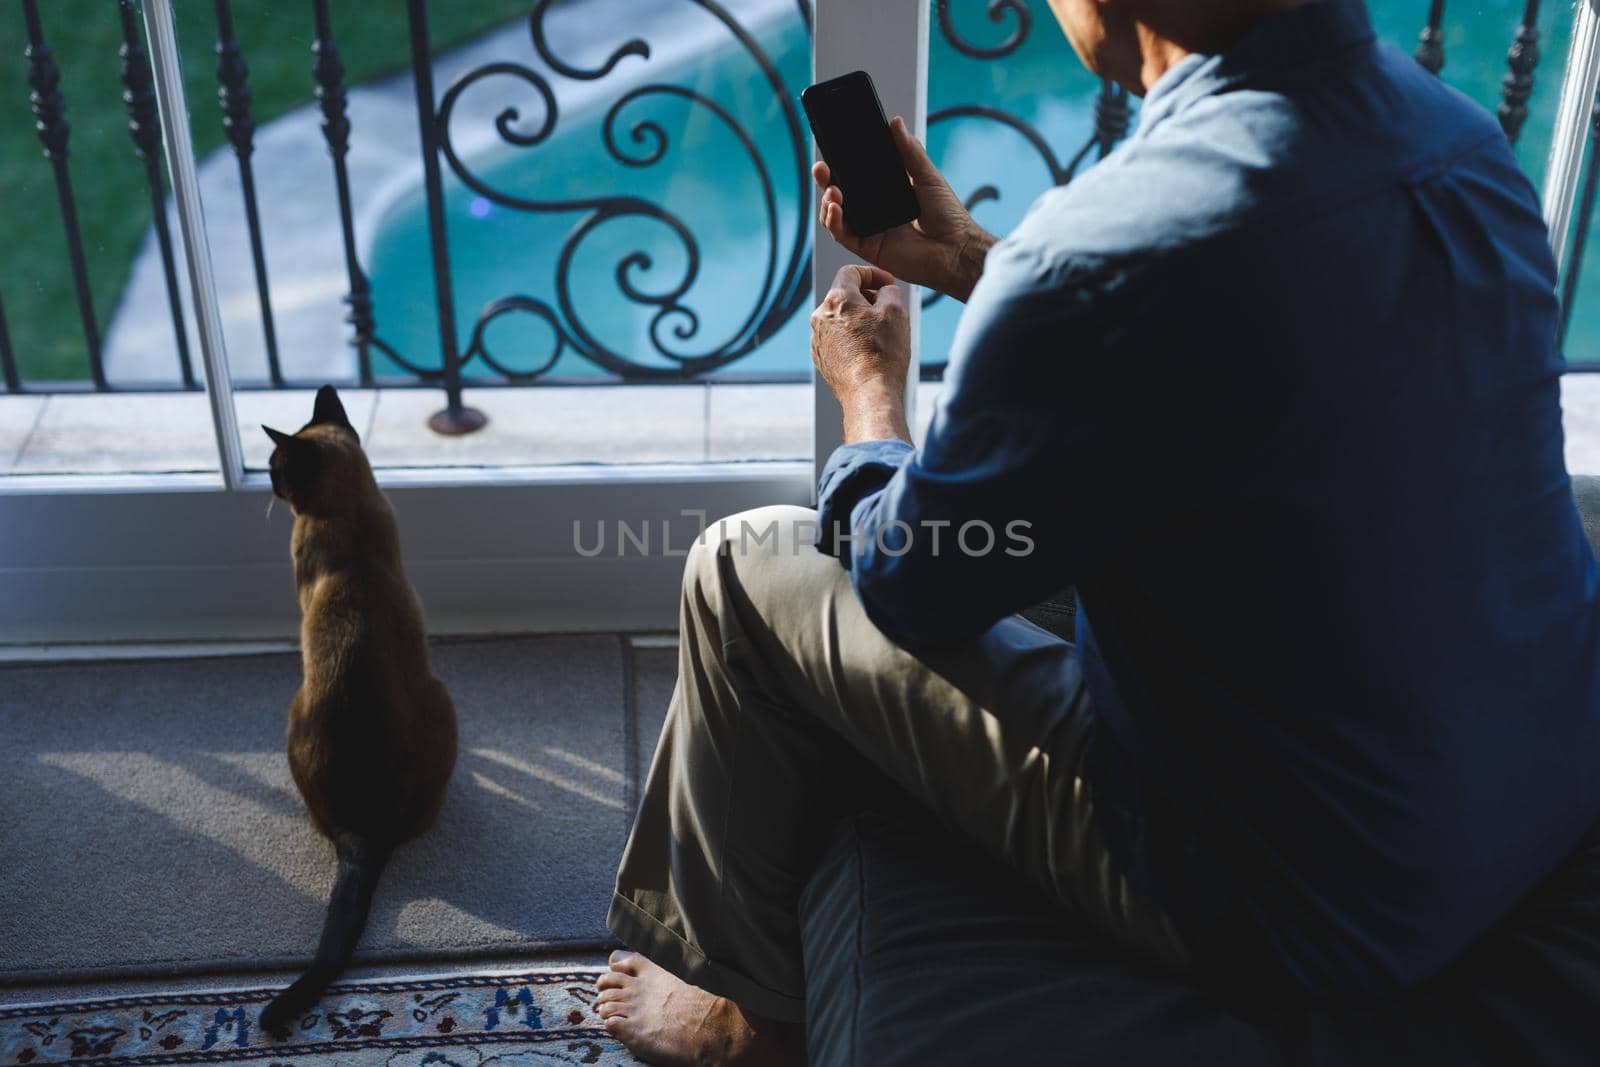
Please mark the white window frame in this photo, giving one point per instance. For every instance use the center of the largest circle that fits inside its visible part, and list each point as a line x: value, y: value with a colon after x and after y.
x: 190, y: 557
x: 1579, y: 82
x: 889, y: 40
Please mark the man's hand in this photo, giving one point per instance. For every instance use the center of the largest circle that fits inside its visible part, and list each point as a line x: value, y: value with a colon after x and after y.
x: 861, y: 346
x: 943, y: 249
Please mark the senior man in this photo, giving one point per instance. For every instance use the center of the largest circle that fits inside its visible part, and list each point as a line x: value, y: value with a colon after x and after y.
x: 1275, y: 387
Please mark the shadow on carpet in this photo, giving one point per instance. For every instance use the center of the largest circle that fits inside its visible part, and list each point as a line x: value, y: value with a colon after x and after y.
x: 150, y: 827
x: 513, y: 1020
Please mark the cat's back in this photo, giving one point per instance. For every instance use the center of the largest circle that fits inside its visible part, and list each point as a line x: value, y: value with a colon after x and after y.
x: 373, y: 732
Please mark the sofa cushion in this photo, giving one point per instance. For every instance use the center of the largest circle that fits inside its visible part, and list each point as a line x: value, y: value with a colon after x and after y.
x: 920, y: 949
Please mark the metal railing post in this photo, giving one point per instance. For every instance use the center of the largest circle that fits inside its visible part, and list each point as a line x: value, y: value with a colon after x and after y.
x: 328, y: 72
x: 233, y: 94
x: 1430, y: 42
x: 456, y: 418
x: 50, y: 120
x: 162, y: 35
x: 1521, y: 61
x: 8, y: 358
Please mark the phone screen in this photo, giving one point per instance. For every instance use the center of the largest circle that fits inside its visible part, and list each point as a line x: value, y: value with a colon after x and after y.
x: 853, y: 136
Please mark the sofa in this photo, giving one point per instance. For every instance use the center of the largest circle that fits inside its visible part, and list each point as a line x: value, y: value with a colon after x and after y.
x: 920, y: 949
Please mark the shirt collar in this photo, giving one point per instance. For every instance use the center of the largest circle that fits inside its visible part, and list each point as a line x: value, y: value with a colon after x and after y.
x: 1290, y: 38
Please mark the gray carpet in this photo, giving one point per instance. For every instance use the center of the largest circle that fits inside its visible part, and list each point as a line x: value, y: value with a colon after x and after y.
x: 148, y: 824
x: 654, y: 673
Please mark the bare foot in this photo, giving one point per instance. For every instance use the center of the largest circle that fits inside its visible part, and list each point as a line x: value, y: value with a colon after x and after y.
x: 663, y: 1019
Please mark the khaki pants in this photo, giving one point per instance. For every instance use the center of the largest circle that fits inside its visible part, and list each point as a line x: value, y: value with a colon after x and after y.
x: 780, y: 675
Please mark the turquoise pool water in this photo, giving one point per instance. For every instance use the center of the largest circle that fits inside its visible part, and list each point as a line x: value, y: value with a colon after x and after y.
x: 707, y: 180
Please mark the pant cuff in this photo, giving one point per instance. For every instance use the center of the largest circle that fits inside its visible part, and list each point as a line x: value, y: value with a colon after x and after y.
x: 661, y: 945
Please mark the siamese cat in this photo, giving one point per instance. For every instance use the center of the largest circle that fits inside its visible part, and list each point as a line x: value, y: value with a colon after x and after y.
x: 372, y: 733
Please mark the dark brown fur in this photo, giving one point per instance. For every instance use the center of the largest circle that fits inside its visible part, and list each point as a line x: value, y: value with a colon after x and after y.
x: 372, y: 733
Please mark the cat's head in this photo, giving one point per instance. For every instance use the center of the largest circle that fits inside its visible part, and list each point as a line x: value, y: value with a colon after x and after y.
x: 320, y: 468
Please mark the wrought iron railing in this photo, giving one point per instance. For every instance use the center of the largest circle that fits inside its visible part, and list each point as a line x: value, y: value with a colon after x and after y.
x: 785, y: 275
x: 782, y: 176
x: 233, y: 93
x: 785, y: 283
x: 49, y: 111
x: 1111, y: 114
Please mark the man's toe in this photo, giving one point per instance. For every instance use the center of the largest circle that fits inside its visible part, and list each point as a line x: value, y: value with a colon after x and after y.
x: 613, y: 980
x: 625, y: 961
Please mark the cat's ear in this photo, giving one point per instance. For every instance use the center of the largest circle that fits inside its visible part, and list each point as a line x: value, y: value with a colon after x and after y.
x: 283, y: 440
x: 329, y: 411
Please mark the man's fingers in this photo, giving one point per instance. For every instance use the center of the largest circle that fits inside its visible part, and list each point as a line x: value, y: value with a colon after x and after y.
x: 912, y: 154
x: 831, y: 214
x: 821, y: 174
x: 853, y: 278
x: 833, y: 222
x: 830, y: 208
x: 846, y: 288
x: 838, y: 298
x: 868, y: 276
x: 890, y: 295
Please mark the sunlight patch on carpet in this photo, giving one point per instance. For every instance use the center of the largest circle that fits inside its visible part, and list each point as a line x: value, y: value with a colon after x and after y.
x: 597, y: 794
x: 172, y: 792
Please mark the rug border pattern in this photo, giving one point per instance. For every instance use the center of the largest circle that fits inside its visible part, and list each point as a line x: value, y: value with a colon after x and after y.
x: 240, y: 998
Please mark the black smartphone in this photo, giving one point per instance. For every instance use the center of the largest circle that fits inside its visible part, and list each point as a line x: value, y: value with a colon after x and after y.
x: 847, y: 121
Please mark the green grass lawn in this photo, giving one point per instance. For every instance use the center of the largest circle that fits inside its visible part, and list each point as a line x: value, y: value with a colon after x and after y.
x: 112, y: 198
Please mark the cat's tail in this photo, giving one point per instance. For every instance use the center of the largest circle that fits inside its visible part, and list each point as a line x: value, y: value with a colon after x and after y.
x: 361, y: 861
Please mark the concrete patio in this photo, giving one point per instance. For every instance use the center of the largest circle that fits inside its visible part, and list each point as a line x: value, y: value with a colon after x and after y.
x: 150, y: 433
x: 299, y: 206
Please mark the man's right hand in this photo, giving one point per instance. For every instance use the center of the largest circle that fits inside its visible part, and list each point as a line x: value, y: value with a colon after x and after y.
x: 943, y: 249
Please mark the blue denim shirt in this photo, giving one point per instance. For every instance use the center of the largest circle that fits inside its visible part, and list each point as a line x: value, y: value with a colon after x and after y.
x: 1275, y: 386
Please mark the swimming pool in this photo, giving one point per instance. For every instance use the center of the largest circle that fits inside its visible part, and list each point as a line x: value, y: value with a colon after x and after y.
x: 701, y: 167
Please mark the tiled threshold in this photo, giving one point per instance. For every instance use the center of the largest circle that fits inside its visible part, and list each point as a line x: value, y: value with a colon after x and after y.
x: 171, y: 432
x: 1580, y: 402
x: 92, y: 652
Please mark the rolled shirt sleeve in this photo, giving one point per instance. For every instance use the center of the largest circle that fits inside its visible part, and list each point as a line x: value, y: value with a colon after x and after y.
x: 853, y: 472
x: 992, y: 514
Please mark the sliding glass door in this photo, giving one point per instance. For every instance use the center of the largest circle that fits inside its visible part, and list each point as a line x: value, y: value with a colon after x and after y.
x: 557, y: 255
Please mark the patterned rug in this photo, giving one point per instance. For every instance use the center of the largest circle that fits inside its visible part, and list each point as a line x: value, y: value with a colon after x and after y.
x: 514, y: 1020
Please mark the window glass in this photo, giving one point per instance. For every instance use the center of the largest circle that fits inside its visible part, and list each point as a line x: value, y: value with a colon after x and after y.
x: 100, y: 370
x: 1012, y: 111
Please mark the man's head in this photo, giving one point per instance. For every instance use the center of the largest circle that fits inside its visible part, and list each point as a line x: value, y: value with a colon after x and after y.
x: 1133, y: 42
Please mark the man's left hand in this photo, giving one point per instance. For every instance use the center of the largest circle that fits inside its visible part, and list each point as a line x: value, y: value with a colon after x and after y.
x: 861, y: 346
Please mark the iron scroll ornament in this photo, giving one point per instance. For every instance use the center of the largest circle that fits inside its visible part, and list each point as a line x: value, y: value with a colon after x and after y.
x: 1112, y: 113
x: 998, y: 11
x: 785, y: 280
